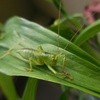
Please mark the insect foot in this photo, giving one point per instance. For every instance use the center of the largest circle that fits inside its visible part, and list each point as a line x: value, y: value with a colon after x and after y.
x: 29, y: 69
x: 67, y: 75
x: 64, y: 74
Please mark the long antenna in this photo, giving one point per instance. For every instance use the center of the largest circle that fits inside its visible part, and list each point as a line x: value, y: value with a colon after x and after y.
x: 73, y: 36
x: 59, y: 15
x: 76, y: 34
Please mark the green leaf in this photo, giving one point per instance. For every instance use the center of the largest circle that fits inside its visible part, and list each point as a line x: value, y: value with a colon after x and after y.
x: 65, y: 92
x: 63, y: 96
x: 88, y: 32
x: 8, y: 88
x: 84, y: 69
x: 30, y: 89
x: 89, y: 49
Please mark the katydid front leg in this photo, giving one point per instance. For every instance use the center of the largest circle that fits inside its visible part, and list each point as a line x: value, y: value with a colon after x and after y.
x: 33, y: 61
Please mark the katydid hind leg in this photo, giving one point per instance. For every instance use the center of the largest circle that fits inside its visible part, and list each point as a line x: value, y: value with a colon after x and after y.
x: 57, y: 73
x: 8, y: 51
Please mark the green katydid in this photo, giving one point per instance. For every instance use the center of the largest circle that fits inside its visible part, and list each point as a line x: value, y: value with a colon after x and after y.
x: 40, y: 57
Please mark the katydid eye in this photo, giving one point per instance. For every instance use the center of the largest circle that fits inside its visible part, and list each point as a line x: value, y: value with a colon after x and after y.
x: 53, y: 59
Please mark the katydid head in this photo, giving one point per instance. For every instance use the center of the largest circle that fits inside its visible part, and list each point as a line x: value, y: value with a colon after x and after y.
x: 55, y: 58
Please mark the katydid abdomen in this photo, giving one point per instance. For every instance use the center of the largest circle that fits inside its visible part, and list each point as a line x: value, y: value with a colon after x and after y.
x: 38, y: 57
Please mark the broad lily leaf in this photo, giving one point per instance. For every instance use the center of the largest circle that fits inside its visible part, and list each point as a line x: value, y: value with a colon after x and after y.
x: 84, y: 69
